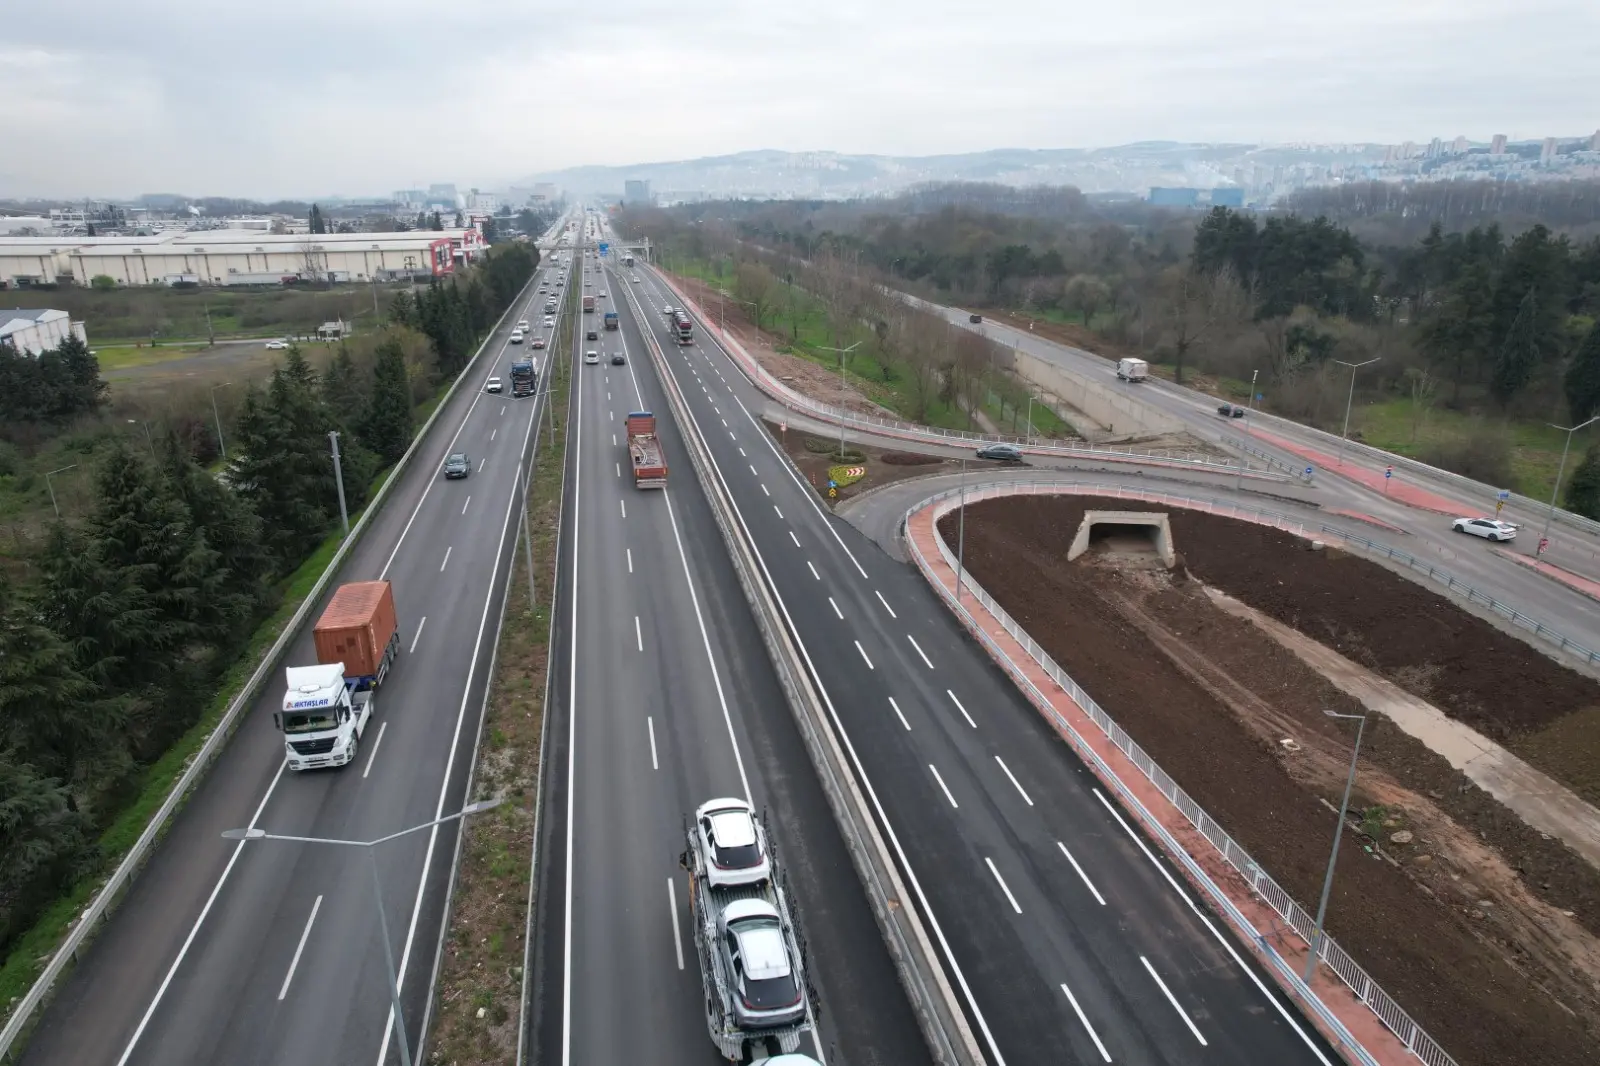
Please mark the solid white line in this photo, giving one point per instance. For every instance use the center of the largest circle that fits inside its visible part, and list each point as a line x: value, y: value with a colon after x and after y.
x: 638, y: 634
x: 945, y: 788
x: 650, y: 723
x: 835, y: 607
x: 216, y: 889
x: 624, y: 505
x: 1104, y: 1054
x: 960, y: 708
x: 1165, y: 991
x: 792, y: 536
x: 447, y: 550
x: 418, y: 635
x: 863, y: 652
x: 902, y: 717
x: 920, y: 652
x: 376, y: 744
x: 814, y: 571
x: 630, y: 559
x: 464, y: 506
x: 672, y: 907
x: 1009, y: 897
x: 294, y: 962
x: 1013, y: 778
x: 780, y: 515
x: 885, y: 603
x: 1083, y: 876
x: 572, y: 743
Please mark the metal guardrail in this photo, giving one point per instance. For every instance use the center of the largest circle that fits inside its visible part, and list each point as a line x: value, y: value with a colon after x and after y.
x: 1416, y: 1040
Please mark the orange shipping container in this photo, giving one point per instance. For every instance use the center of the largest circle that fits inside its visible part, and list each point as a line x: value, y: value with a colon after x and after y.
x: 357, y: 627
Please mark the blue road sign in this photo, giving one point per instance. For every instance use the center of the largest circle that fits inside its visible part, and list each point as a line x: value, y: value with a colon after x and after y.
x: 1389, y: 472
x: 1505, y: 494
x: 832, y: 484
x: 604, y: 247
x: 1308, y: 471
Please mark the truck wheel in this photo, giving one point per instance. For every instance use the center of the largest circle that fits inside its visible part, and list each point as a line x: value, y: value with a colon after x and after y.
x: 355, y: 750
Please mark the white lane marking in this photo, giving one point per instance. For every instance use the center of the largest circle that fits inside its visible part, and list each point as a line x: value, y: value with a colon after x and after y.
x: 608, y: 395
x: 624, y: 505
x: 485, y: 459
x: 1013, y: 778
x: 672, y: 906
x: 464, y: 506
x: 741, y: 453
x: 764, y: 491
x: 494, y: 433
x: 1165, y: 991
x: 731, y: 436
x: 943, y: 787
x: 572, y: 745
x: 1104, y: 1054
x: 1003, y: 886
x: 418, y: 635
x: 1081, y: 875
x: 724, y: 421
x: 630, y: 559
x: 864, y: 658
x: 638, y: 634
x: 885, y: 603
x: 960, y: 708
x: 899, y: 715
x: 814, y: 571
x: 502, y: 410
x: 920, y: 652
x: 300, y: 947
x: 619, y: 469
x: 376, y: 744
x: 650, y: 723
x: 780, y: 515
x: 836, y: 611
x: 756, y: 473
x: 613, y: 440
x: 791, y: 534
x: 448, y: 549
x: 216, y: 890
x: 1206, y: 919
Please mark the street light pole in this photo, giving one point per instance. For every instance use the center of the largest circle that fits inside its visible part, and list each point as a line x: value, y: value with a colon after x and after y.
x: 1560, y: 472
x: 843, y: 388
x: 338, y: 480
x: 147, y: 438
x: 1338, y: 834
x: 48, y: 475
x: 1343, y: 437
x: 220, y: 442
x: 253, y: 833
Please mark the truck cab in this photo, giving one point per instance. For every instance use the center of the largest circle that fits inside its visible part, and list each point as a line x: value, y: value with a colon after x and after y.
x: 322, y: 718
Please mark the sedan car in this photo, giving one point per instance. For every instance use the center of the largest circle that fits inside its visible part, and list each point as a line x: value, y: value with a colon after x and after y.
x: 591, y: 357
x: 754, y: 954
x: 516, y: 336
x: 277, y: 346
x: 1005, y: 453
x: 537, y: 342
x: 617, y: 359
x: 733, y: 842
x: 493, y: 385
x: 592, y: 335
x: 458, y: 465
x: 1231, y: 410
x: 604, y: 295
x: 1487, y: 528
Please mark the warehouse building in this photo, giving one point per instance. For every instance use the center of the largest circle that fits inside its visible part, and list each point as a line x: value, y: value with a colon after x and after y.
x: 236, y: 257
x: 29, y: 331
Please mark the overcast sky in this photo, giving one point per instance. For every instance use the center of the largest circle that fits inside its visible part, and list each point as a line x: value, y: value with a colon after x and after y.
x: 356, y: 97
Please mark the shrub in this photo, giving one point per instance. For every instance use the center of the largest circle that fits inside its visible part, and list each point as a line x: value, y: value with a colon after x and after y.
x: 1483, y: 455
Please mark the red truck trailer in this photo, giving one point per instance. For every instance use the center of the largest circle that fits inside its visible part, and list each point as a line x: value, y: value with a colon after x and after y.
x: 360, y: 629
x: 644, y: 450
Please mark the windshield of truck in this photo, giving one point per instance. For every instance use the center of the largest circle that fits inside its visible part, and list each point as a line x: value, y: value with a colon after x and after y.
x: 313, y: 721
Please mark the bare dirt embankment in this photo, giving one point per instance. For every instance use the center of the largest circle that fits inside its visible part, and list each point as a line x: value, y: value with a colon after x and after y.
x: 1483, y: 929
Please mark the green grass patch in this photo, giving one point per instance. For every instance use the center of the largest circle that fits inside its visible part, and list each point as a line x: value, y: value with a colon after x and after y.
x: 847, y: 475
x: 124, y: 357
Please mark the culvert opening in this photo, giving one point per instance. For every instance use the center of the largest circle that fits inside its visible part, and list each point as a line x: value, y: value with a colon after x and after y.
x: 1124, y: 538
x: 1134, y: 536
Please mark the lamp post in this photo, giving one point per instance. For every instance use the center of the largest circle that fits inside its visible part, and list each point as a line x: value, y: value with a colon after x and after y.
x: 52, y: 473
x: 842, y: 388
x: 1348, y: 399
x: 214, y: 414
x: 1560, y: 471
x: 147, y: 438
x: 1338, y: 834
x: 253, y: 833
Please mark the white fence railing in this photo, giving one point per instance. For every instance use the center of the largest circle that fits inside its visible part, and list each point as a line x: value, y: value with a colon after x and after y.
x: 1412, y: 1035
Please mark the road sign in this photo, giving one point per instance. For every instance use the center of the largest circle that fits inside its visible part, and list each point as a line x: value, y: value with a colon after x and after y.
x: 832, y: 484
x: 855, y: 471
x: 1505, y: 494
x: 604, y: 247
x: 1308, y: 472
x: 1389, y: 472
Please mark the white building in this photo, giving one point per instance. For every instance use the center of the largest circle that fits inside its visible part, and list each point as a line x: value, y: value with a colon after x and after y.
x: 37, y: 331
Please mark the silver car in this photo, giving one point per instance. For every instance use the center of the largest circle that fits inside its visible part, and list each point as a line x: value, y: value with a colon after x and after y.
x: 733, y: 843
x: 755, y: 954
x: 1487, y: 528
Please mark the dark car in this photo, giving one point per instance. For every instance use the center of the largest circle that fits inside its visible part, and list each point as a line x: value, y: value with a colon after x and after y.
x: 1231, y: 410
x: 458, y: 465
x: 974, y: 319
x: 1005, y: 453
x: 592, y: 335
x: 617, y: 359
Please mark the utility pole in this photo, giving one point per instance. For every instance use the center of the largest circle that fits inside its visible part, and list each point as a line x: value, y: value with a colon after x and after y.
x: 843, y: 389
x: 222, y: 445
x: 338, y: 479
x: 210, y: 333
x: 1338, y: 834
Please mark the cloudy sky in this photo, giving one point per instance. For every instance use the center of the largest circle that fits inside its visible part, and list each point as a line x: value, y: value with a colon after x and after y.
x: 320, y: 97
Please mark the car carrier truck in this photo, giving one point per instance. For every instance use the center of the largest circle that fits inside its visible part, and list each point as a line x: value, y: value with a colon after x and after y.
x: 326, y: 707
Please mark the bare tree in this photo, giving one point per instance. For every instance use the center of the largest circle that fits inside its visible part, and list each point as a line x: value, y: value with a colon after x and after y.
x: 1423, y: 388
x: 1193, y: 305
x: 757, y: 288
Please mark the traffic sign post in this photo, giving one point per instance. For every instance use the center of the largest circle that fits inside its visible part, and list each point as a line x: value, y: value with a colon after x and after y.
x: 1387, y: 474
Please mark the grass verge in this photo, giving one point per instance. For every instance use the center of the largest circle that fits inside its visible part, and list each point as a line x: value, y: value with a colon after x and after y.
x: 477, y: 1013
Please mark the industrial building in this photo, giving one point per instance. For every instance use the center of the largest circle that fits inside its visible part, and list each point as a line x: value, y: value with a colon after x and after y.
x: 236, y: 257
x: 35, y: 331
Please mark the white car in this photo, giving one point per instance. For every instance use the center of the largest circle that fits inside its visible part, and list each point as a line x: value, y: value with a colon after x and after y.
x: 493, y: 385
x: 733, y: 843
x: 516, y: 336
x: 277, y: 346
x: 549, y: 323
x: 604, y: 295
x: 1487, y: 528
x: 591, y: 357
x: 522, y: 325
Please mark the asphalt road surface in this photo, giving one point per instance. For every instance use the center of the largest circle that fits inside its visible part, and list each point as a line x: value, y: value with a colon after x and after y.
x: 266, y: 952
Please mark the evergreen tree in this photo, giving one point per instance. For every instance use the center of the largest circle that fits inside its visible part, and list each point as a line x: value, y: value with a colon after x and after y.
x: 282, y: 465
x: 1583, y: 378
x: 318, y: 223
x: 44, y: 843
x: 1519, y: 352
x: 343, y: 389
x: 386, y: 425
x: 1583, y: 491
x: 103, y: 613
x: 231, y: 528
x: 436, y: 223
x: 403, y: 311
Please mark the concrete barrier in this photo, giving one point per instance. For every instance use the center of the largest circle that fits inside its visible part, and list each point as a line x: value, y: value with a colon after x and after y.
x: 1119, y: 409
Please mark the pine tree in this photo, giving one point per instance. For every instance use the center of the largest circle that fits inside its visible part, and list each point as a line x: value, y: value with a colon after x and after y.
x: 1583, y: 378
x: 1519, y: 352
x: 44, y: 843
x: 318, y: 223
x: 103, y: 613
x: 436, y: 223
x: 231, y: 527
x: 1583, y: 491
x: 282, y: 466
x: 386, y: 425
x: 403, y: 311
x: 70, y: 377
x: 343, y: 389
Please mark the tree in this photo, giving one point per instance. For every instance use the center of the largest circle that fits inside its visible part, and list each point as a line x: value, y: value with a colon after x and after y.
x: 435, y: 223
x: 460, y: 221
x: 281, y: 463
x: 318, y: 223
x: 231, y: 527
x: 44, y: 843
x: 1457, y: 336
x: 103, y: 283
x: 1583, y: 377
x: 403, y: 310
x: 1583, y: 491
x: 344, y: 388
x: 757, y: 288
x: 71, y: 376
x: 1519, y: 352
x: 386, y: 425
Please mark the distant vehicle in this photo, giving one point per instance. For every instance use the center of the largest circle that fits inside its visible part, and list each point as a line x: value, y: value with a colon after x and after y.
x: 1487, y: 528
x: 634, y: 279
x: 591, y: 357
x: 1231, y: 410
x: 667, y: 310
x: 1006, y: 453
x: 682, y: 328
x: 522, y: 324
x: 277, y: 346
x: 604, y: 295
x: 588, y: 303
x: 612, y: 322
x: 493, y: 385
x: 1133, y: 369
x: 458, y: 465
x: 549, y: 323
x: 516, y: 336
x: 974, y: 319
x: 591, y: 335
x: 617, y: 359
x: 537, y: 342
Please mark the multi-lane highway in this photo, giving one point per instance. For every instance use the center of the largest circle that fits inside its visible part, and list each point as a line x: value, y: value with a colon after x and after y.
x: 1065, y: 936
x: 267, y: 952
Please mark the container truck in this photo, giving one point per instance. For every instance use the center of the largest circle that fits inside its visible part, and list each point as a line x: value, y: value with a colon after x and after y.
x: 523, y: 378
x: 611, y: 320
x: 1132, y: 369
x: 644, y: 451
x: 326, y: 707
x: 588, y: 304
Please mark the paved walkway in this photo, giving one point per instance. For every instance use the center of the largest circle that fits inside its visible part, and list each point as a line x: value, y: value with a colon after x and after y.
x: 1396, y: 488
x: 1079, y: 730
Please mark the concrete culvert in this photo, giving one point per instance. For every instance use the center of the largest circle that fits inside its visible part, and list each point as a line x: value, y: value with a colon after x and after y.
x: 1130, y: 533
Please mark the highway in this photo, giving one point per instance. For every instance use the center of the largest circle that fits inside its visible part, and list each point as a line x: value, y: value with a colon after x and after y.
x: 1067, y: 937
x: 663, y: 697
x: 264, y: 952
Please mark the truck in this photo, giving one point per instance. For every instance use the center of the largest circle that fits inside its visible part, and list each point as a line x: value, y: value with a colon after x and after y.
x: 588, y: 304
x: 1132, y: 369
x: 523, y: 378
x: 326, y: 706
x: 682, y: 327
x: 752, y: 919
x: 644, y: 451
x: 627, y: 260
x: 611, y: 320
